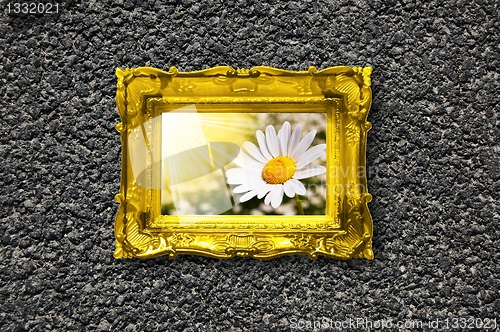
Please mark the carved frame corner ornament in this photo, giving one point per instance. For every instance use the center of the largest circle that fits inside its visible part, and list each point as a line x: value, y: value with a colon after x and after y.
x: 343, y: 93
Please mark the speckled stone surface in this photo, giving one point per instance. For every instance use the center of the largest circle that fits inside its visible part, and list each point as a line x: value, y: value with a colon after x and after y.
x: 433, y: 154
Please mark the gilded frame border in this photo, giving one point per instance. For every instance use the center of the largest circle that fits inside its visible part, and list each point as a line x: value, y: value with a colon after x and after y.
x: 346, y: 229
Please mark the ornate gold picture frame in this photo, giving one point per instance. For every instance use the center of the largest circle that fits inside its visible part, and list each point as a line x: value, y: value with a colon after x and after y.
x: 204, y: 171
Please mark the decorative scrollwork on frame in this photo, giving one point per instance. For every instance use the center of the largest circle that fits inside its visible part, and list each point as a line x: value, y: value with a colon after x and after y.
x: 243, y: 80
x: 181, y: 239
x: 184, y: 87
x: 243, y: 245
x: 304, y: 241
x: 353, y: 133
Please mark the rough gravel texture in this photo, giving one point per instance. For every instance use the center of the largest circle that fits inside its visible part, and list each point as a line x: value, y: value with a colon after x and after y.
x: 433, y: 154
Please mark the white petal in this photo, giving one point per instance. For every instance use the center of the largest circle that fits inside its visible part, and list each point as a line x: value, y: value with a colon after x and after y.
x: 299, y: 187
x: 251, y: 184
x: 283, y: 137
x: 241, y: 189
x: 256, y: 183
x: 267, y: 200
x: 236, y: 181
x: 251, y: 181
x: 236, y: 172
x: 264, y: 190
x: 311, y: 155
x: 248, y: 158
x: 289, y: 189
x: 248, y: 196
x: 309, y: 171
x: 239, y: 161
x: 254, y: 151
x: 236, y: 176
x: 261, y: 138
x: 272, y: 141
x: 303, y: 145
x: 245, y: 161
x: 293, y: 143
x: 277, y: 196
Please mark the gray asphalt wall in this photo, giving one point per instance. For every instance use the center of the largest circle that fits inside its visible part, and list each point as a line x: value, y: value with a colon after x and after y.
x: 433, y: 157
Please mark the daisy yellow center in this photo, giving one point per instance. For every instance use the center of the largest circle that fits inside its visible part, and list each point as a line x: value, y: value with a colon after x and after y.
x: 278, y: 170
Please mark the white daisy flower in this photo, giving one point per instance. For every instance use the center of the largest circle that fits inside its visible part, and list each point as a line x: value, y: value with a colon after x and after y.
x: 275, y: 166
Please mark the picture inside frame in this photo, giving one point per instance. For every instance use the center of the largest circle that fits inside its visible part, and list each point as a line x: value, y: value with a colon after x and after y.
x: 242, y: 163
